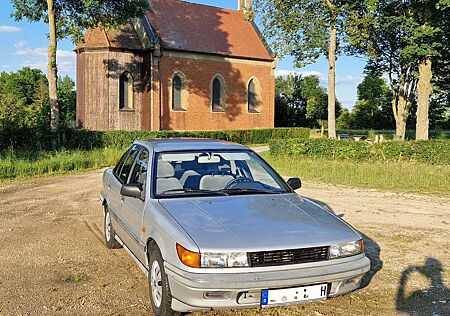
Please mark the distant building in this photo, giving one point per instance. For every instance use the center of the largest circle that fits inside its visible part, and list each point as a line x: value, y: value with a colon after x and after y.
x: 183, y: 66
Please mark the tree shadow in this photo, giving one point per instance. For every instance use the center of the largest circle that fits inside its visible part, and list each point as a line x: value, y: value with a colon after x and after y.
x: 433, y: 301
x: 372, y: 249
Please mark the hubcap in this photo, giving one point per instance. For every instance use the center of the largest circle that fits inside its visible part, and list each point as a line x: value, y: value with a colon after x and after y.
x: 156, y: 284
x: 107, y: 226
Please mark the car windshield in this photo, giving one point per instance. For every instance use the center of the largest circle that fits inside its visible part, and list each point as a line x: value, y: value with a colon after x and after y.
x: 208, y: 172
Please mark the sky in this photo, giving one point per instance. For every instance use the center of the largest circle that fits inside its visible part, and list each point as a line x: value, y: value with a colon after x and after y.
x: 25, y: 44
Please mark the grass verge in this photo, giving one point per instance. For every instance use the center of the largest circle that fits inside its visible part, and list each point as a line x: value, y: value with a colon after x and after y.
x: 393, y: 176
x: 20, y: 165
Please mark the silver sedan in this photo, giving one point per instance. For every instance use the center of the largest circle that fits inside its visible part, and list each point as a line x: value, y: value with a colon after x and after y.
x: 213, y: 226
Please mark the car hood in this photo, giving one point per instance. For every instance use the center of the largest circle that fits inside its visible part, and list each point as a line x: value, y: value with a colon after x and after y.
x: 257, y: 222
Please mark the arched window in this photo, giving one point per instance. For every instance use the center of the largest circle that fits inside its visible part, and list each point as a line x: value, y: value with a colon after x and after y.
x: 178, y: 91
x: 125, y: 91
x: 254, y: 96
x: 177, y: 85
x: 218, y: 94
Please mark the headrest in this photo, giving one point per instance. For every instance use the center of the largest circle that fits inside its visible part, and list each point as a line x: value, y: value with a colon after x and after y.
x: 165, y: 169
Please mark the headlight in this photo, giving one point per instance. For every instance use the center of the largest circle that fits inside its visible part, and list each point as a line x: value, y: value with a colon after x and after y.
x: 347, y: 249
x: 224, y: 260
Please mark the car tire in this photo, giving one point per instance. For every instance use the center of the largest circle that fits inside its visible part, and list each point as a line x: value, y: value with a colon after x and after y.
x: 158, y: 283
x: 109, y: 232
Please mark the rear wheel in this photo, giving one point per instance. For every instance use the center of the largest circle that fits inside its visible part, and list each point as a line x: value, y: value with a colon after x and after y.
x: 109, y: 232
x: 160, y: 296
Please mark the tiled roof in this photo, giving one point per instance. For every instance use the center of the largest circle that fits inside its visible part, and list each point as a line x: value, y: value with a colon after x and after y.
x: 124, y: 37
x: 199, y: 28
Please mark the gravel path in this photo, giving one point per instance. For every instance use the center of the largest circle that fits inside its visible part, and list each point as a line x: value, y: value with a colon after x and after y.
x: 53, y: 261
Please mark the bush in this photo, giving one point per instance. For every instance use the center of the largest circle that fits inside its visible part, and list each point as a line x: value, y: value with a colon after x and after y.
x: 389, y: 134
x: 85, y: 139
x: 429, y: 152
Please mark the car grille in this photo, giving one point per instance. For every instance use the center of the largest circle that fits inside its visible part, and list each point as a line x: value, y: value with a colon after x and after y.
x: 292, y: 256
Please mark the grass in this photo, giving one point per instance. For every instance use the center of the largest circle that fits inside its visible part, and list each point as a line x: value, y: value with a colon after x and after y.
x: 77, y: 277
x: 398, y: 176
x: 20, y: 165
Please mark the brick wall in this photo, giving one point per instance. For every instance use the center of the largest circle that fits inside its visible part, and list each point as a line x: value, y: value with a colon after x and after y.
x: 199, y: 71
x: 98, y: 73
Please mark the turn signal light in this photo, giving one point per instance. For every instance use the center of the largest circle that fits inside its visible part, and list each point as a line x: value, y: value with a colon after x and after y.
x: 189, y: 258
x: 361, y: 245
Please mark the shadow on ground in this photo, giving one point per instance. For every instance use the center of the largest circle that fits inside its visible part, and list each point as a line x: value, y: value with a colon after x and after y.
x: 433, y: 301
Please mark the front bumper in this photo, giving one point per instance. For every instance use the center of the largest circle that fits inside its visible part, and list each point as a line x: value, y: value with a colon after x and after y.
x: 197, y: 291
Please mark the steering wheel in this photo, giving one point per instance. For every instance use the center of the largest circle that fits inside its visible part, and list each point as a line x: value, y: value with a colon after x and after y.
x: 233, y: 182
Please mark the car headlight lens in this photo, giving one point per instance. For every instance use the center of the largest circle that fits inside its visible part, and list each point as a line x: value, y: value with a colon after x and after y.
x: 347, y: 249
x: 224, y: 260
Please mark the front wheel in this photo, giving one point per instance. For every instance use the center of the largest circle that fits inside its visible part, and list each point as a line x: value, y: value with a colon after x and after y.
x: 160, y: 296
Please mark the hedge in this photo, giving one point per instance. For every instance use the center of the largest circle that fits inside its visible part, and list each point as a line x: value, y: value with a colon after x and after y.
x: 389, y: 134
x: 430, y: 152
x: 85, y: 139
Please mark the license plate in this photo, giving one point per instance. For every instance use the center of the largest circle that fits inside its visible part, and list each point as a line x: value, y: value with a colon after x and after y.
x: 293, y: 295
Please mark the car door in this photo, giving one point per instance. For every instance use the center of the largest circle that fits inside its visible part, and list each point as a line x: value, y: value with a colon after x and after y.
x: 121, y: 175
x: 133, y: 208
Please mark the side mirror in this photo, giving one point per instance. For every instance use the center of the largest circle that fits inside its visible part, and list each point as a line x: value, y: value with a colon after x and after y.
x: 295, y: 183
x: 131, y: 190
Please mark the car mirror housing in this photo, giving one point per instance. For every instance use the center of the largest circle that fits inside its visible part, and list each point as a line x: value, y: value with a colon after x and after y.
x: 295, y: 183
x: 131, y: 190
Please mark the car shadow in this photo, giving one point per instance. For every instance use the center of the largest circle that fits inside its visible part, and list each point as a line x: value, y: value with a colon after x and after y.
x: 372, y: 249
x: 432, y: 301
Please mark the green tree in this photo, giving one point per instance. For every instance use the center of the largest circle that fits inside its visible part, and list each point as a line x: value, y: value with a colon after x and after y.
x: 373, y: 98
x: 343, y: 121
x: 18, y: 92
x: 317, y: 102
x: 306, y: 29
x: 71, y: 18
x: 68, y: 101
x: 290, y: 105
x: 401, y: 38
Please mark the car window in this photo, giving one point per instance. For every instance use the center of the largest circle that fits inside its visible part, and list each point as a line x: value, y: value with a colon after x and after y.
x: 258, y: 173
x: 128, y: 163
x: 119, y: 164
x: 214, y: 172
x: 139, y: 173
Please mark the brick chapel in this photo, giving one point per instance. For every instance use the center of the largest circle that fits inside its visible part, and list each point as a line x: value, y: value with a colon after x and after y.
x: 182, y: 66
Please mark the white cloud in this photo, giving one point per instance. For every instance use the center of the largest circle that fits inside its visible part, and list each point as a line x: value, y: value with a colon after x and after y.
x: 37, y: 58
x: 22, y: 49
x: 351, y: 80
x: 340, y: 80
x: 9, y: 29
x: 285, y: 73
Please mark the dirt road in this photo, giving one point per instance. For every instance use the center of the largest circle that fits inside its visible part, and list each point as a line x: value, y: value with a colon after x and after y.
x: 53, y: 261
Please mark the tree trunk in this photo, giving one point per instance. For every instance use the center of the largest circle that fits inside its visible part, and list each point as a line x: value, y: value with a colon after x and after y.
x: 332, y: 79
x: 322, y: 128
x: 401, y: 117
x: 423, y: 99
x: 52, y: 68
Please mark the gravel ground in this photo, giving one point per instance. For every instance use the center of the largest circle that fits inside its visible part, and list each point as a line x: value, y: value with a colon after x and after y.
x: 53, y: 260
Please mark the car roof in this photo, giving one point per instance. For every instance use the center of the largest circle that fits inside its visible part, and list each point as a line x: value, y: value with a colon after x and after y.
x: 179, y: 144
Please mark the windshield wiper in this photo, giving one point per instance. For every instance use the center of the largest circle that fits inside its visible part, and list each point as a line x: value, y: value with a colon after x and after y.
x: 188, y: 190
x: 251, y: 191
